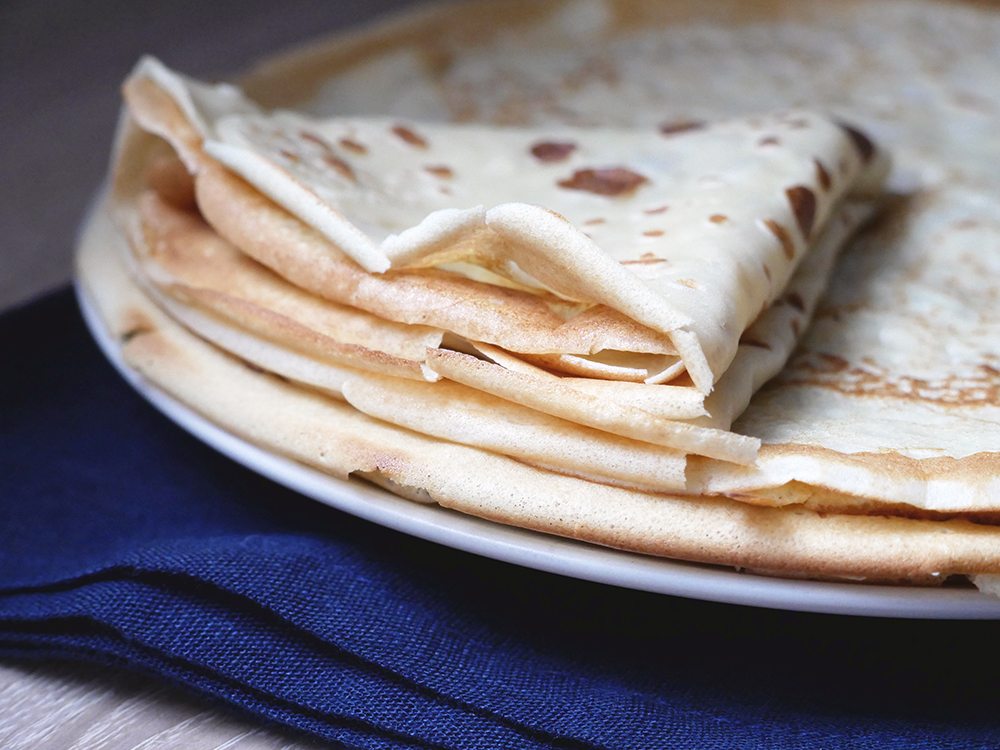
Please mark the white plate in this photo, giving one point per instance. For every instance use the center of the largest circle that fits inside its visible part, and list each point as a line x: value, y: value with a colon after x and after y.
x: 555, y: 554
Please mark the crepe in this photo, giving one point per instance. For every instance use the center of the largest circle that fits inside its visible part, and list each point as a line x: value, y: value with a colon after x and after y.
x: 515, y: 276
x: 687, y: 233
x: 877, y: 441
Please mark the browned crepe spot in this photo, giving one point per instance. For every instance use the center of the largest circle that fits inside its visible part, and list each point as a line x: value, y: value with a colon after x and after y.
x: 644, y: 260
x: 822, y: 176
x: 552, y: 152
x: 340, y: 166
x: 136, y: 324
x: 350, y: 145
x: 614, y: 182
x: 315, y: 139
x: 410, y: 136
x: 681, y: 126
x: 779, y: 231
x: 443, y: 172
x: 861, y: 141
x: 803, y: 201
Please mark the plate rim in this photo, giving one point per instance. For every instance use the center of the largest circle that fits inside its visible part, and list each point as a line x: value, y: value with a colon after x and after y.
x: 546, y: 552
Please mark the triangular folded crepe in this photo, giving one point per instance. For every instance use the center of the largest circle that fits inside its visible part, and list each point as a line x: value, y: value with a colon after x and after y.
x: 688, y: 234
x: 382, y: 233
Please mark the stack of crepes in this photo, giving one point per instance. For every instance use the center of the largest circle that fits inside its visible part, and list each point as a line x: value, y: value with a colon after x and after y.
x: 550, y: 326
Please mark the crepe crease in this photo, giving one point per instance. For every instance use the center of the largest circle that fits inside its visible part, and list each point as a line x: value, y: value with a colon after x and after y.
x: 589, y: 297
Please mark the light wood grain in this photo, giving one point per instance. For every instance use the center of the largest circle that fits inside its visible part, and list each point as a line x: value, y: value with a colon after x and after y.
x: 65, y: 706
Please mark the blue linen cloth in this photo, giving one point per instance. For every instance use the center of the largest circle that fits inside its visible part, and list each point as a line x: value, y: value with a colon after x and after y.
x: 125, y: 541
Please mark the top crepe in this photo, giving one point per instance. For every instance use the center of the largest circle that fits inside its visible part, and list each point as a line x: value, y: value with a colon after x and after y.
x: 688, y: 231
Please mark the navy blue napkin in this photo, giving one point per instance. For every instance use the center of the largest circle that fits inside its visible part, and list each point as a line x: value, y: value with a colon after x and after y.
x: 125, y: 541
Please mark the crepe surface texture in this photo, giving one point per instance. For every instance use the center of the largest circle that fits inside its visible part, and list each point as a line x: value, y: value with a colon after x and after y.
x: 578, y: 243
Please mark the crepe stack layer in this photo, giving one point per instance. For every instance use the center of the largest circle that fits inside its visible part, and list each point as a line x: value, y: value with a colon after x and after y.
x: 535, y: 274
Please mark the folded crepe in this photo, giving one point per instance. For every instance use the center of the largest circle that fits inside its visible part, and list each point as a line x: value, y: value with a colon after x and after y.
x: 690, y: 235
x: 351, y: 215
